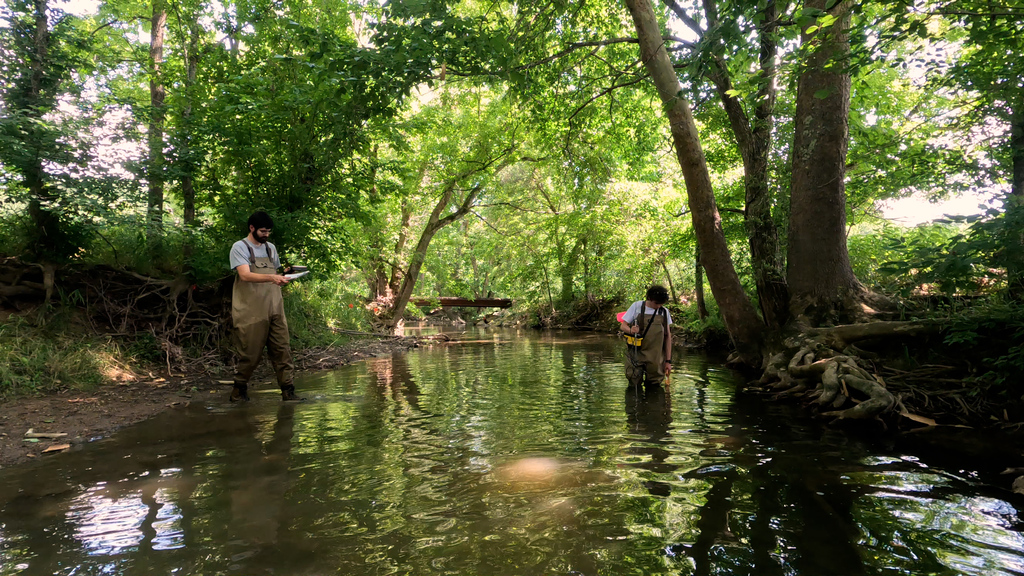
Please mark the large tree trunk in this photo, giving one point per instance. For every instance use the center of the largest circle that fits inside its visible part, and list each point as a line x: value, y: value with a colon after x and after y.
x: 741, y: 319
x: 1017, y: 147
x: 1015, y: 267
x: 821, y: 280
x: 671, y: 285
x: 698, y: 286
x: 41, y: 198
x: 188, y: 192
x: 155, y: 133
x: 403, y: 238
x: 754, y: 143
x: 568, y: 262
x: 434, y: 224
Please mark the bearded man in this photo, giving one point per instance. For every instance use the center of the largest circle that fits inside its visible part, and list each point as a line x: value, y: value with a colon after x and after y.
x: 257, y: 310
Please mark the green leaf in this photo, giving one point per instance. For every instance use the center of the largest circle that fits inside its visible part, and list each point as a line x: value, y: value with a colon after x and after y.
x: 823, y: 93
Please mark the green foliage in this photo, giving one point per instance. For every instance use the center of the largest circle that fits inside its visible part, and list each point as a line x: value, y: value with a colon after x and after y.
x: 314, y: 307
x: 886, y: 256
x: 982, y: 253
x: 32, y: 361
x: 40, y: 142
x: 991, y: 336
x: 688, y: 327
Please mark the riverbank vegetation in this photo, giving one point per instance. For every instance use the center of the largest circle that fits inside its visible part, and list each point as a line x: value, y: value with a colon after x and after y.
x: 563, y: 155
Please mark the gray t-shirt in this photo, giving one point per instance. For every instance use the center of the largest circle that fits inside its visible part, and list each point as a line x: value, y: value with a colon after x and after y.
x: 634, y: 310
x: 240, y: 254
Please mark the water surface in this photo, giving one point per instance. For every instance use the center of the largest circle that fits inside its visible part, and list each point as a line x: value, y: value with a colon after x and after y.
x: 521, y: 453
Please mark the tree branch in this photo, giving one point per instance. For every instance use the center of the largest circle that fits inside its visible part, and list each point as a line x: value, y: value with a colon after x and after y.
x: 686, y: 18
x: 607, y: 91
x: 511, y: 205
x: 592, y: 44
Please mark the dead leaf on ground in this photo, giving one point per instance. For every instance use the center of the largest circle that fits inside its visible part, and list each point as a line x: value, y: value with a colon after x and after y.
x: 33, y: 434
x: 56, y: 448
x: 921, y: 419
x: 73, y: 400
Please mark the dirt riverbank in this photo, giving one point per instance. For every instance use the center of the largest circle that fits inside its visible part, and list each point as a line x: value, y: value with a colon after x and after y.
x: 76, y: 417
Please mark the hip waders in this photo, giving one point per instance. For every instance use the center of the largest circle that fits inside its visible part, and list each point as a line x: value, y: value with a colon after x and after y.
x: 645, y: 363
x: 257, y: 310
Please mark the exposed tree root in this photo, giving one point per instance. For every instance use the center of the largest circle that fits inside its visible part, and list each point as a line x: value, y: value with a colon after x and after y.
x: 122, y: 303
x: 823, y: 367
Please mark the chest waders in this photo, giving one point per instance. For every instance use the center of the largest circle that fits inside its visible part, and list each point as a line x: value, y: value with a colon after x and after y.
x: 645, y: 352
x: 257, y: 309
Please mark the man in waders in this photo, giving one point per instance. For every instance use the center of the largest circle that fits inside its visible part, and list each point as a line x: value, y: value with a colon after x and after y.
x: 257, y: 310
x: 648, y: 338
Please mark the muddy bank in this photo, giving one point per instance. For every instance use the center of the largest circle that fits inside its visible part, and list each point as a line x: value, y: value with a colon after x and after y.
x: 84, y: 416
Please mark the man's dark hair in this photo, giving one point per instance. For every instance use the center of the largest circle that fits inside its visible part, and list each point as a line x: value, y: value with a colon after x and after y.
x: 261, y: 220
x: 657, y: 293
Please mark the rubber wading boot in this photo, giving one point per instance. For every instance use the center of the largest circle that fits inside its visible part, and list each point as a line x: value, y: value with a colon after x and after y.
x: 240, y: 393
x: 288, y: 395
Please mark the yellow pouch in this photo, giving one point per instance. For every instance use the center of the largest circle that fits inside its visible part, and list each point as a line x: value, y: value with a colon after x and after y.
x: 633, y: 340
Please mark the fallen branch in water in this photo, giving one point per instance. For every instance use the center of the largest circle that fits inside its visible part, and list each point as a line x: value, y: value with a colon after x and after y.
x: 373, y: 334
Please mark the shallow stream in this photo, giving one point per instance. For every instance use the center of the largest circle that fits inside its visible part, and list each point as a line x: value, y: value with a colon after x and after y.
x: 516, y: 453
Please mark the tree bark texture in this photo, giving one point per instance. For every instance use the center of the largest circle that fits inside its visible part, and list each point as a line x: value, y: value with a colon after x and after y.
x: 568, y: 261
x: 155, y: 132
x: 819, y: 274
x: 36, y: 102
x: 40, y: 198
x: 403, y: 237
x: 419, y: 255
x: 741, y: 319
x: 1015, y: 203
x: 698, y: 286
x: 754, y: 142
x: 671, y: 285
x: 1017, y: 147
x: 188, y: 191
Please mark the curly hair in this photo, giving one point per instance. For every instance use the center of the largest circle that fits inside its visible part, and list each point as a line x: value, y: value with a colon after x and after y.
x: 658, y: 294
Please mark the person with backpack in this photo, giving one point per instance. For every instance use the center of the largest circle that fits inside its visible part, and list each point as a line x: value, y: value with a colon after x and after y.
x: 648, y: 338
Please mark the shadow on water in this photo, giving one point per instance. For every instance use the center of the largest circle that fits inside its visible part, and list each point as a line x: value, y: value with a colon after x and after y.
x: 520, y: 453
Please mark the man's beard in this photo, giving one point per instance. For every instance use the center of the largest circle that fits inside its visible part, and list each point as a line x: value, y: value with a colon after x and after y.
x: 261, y: 239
